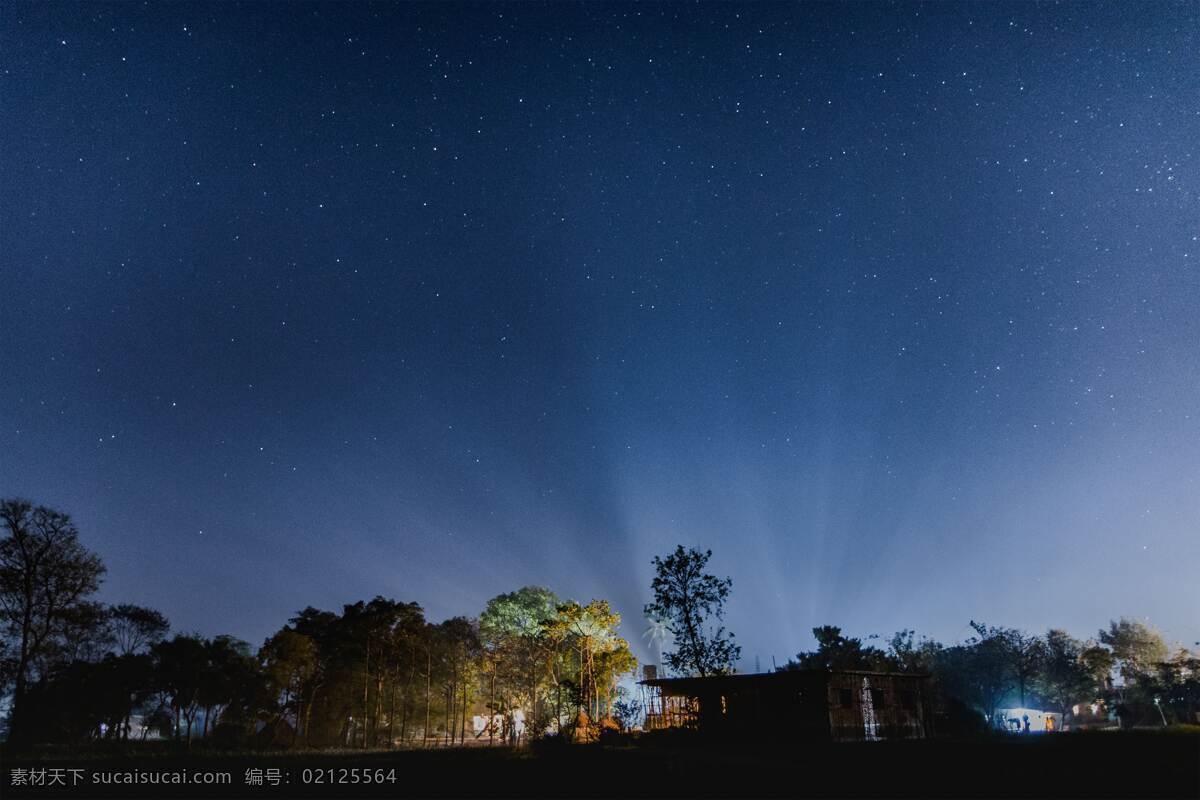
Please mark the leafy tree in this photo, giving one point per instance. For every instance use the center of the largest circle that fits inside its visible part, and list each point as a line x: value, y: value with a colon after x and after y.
x: 289, y: 661
x: 1175, y: 687
x: 835, y: 651
x: 1100, y: 663
x: 1135, y: 646
x: 906, y: 653
x: 230, y: 681
x: 326, y: 705
x: 1026, y: 655
x: 1065, y: 678
x: 179, y: 667
x: 519, y: 613
x: 600, y: 657
x: 353, y: 677
x: 45, y: 577
x: 512, y: 631
x: 406, y: 641
x: 368, y: 632
x: 1137, y: 651
x: 459, y: 649
x: 690, y: 600
x: 979, y: 672
x: 131, y: 678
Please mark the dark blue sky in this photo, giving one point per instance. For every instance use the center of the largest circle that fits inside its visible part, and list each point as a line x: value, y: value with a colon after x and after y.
x: 894, y: 307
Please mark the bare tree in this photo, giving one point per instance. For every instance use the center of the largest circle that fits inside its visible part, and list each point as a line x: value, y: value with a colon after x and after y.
x: 135, y: 628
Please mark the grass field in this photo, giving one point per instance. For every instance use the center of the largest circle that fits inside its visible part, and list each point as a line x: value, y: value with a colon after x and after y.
x: 1132, y: 764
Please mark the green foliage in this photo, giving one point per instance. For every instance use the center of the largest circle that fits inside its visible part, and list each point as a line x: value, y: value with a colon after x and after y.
x: 517, y: 614
x: 520, y: 658
x: 1066, y: 677
x: 1135, y: 646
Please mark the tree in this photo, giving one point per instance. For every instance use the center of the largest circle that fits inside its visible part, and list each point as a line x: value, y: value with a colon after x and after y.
x: 978, y: 673
x: 1025, y: 655
x: 835, y: 651
x: 84, y: 634
x: 1136, y: 646
x: 357, y: 673
x: 179, y: 667
x: 1176, y: 687
x: 1065, y: 679
x: 132, y: 677
x: 406, y: 641
x: 601, y: 656
x: 230, y: 683
x: 135, y: 628
x: 320, y: 712
x: 1137, y: 651
x: 906, y: 653
x: 289, y: 661
x: 690, y: 600
x: 512, y: 633
x: 458, y: 649
x: 1099, y: 663
x: 45, y: 576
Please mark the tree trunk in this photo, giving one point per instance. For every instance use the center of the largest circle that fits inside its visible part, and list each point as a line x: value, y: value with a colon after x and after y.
x: 308, y: 716
x: 16, y: 719
x: 407, y: 702
x: 296, y: 727
x: 366, y: 685
x: 392, y: 717
x: 428, y: 689
x: 462, y: 736
x: 492, y: 711
x: 378, y: 709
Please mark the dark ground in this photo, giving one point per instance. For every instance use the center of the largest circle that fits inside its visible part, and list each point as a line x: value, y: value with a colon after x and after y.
x: 1131, y: 764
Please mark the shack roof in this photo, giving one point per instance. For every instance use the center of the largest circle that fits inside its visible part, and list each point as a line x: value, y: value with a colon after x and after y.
x: 698, y: 685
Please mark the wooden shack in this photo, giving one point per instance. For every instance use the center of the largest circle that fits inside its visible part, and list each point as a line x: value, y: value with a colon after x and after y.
x: 843, y: 705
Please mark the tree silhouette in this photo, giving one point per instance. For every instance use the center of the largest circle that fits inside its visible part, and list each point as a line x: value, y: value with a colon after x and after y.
x: 46, y: 575
x: 690, y: 600
x: 835, y: 651
x: 180, y: 675
x: 135, y: 628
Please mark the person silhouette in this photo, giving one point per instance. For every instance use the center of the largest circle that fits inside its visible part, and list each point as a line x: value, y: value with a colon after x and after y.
x: 1025, y: 719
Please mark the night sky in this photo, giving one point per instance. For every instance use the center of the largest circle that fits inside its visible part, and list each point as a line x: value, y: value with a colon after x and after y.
x: 896, y: 308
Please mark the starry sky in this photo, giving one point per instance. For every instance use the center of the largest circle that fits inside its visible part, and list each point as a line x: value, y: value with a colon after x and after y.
x: 894, y: 307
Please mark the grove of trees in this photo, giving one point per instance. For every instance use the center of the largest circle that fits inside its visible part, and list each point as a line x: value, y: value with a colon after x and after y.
x: 377, y: 673
x: 1125, y: 675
